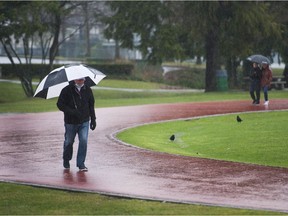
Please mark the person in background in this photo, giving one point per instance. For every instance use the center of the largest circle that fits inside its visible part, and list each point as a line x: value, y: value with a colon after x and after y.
x: 255, y: 85
x: 285, y: 74
x: 77, y: 102
x: 266, y: 81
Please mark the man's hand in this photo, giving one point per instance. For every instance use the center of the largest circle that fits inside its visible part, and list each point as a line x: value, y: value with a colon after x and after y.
x: 93, y: 124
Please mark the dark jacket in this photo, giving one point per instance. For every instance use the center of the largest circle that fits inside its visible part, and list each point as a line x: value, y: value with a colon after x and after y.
x: 78, y: 107
x: 256, y: 73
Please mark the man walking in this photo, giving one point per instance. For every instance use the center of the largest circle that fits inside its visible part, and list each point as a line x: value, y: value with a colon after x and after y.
x: 77, y: 102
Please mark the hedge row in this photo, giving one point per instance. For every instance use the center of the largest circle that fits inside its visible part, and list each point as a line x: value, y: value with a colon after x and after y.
x: 41, y: 70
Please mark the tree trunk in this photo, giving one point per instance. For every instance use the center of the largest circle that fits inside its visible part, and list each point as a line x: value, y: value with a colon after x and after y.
x: 26, y: 79
x: 231, y: 67
x: 212, y: 61
x: 87, y: 30
x: 54, y: 48
x: 198, y: 60
x: 26, y: 82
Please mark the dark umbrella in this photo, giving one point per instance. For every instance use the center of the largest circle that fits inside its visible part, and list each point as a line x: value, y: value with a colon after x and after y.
x: 57, y: 79
x: 260, y: 59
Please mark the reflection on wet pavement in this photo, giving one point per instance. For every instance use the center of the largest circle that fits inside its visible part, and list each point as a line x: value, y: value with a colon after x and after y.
x: 70, y: 177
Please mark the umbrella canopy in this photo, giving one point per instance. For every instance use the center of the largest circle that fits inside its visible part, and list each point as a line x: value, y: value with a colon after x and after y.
x: 57, y: 79
x: 260, y: 59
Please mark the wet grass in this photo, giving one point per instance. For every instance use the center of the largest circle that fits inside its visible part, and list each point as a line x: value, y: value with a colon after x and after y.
x: 261, y: 138
x: 129, y: 84
x: 27, y: 200
x: 12, y: 98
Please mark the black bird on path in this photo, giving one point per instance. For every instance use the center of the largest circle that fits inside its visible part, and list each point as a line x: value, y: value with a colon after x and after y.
x: 172, y: 138
x: 238, y: 119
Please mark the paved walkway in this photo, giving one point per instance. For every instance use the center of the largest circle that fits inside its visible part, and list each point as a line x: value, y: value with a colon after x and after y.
x: 31, y: 150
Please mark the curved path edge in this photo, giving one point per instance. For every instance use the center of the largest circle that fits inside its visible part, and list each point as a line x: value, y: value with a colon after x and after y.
x: 31, y: 152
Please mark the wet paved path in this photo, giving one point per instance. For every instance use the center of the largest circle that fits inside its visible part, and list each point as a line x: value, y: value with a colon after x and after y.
x: 31, y: 150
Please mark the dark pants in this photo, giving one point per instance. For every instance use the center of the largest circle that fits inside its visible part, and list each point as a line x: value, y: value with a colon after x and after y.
x: 255, y: 88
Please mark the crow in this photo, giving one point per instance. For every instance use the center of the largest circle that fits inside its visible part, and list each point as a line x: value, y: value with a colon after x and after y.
x: 238, y: 119
x: 172, y: 138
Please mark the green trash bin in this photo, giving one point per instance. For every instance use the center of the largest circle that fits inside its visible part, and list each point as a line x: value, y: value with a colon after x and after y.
x: 222, y: 81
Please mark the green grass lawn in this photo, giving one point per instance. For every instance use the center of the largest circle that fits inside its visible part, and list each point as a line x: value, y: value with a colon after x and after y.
x: 130, y: 84
x: 260, y: 139
x: 26, y: 200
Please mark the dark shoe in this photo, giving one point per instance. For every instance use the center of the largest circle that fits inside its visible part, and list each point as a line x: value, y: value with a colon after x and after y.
x: 83, y: 169
x: 66, y: 164
x: 256, y: 102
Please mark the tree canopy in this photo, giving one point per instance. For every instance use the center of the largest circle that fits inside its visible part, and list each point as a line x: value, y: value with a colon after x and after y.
x: 224, y: 31
x: 32, y: 22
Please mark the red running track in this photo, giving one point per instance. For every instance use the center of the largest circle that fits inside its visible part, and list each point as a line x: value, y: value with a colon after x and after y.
x: 31, y: 151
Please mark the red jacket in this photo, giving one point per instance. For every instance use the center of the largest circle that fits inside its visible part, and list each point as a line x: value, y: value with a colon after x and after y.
x: 266, y: 77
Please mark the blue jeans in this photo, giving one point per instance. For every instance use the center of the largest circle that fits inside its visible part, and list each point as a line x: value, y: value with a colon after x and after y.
x: 265, y: 90
x: 70, y: 133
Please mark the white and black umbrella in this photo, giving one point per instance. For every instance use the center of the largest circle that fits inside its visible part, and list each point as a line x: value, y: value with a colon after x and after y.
x: 57, y: 79
x: 260, y: 59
